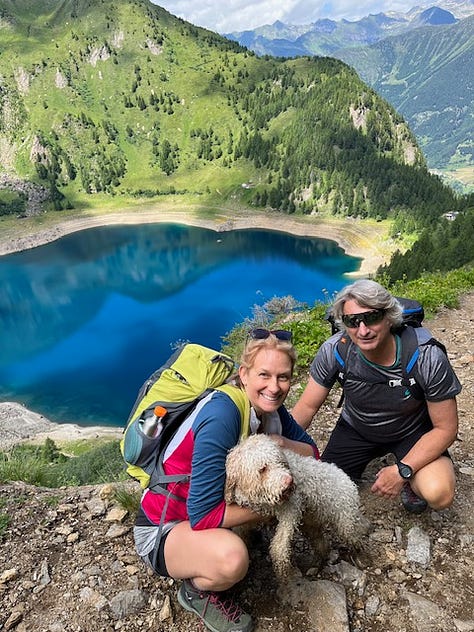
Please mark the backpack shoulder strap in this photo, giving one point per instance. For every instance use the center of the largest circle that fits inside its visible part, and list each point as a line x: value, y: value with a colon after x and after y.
x: 410, y: 354
x: 159, y: 480
x: 410, y: 349
x: 242, y: 402
x: 341, y: 349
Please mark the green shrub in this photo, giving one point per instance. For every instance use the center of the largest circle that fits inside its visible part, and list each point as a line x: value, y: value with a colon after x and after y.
x: 436, y: 290
x: 128, y: 499
x: 101, y: 464
x: 278, y: 312
x: 25, y: 465
x: 46, y: 466
x: 309, y: 333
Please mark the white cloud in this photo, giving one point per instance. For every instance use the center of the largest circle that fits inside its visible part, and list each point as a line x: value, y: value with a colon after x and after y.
x: 225, y: 16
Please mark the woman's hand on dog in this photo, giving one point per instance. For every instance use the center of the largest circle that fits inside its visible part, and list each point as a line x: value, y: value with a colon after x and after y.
x: 288, y: 444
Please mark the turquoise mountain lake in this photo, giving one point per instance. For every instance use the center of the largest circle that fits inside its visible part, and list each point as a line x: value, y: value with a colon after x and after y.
x: 84, y: 320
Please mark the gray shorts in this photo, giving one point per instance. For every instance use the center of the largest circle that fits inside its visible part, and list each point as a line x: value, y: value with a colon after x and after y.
x: 150, y: 545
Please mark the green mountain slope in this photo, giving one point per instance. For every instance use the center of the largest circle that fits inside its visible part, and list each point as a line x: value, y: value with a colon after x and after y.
x: 427, y: 76
x: 120, y: 97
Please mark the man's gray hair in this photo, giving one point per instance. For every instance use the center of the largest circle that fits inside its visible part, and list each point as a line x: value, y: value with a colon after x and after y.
x: 368, y: 294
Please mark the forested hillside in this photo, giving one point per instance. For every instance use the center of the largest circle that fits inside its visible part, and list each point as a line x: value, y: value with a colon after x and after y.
x: 426, y: 75
x: 446, y: 246
x: 420, y: 61
x: 118, y: 97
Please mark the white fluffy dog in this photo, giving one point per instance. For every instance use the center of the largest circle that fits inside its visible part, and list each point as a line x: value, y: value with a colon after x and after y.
x: 297, y: 491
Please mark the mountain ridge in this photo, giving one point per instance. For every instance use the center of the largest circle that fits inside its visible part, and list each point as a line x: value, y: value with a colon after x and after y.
x: 378, y: 47
x: 424, y: 74
x: 364, y: 31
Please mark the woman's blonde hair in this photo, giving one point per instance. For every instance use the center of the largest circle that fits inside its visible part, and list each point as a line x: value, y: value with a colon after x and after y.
x: 253, y: 346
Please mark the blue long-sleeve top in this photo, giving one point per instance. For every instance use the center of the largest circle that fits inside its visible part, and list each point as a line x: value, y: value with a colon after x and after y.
x: 200, y: 447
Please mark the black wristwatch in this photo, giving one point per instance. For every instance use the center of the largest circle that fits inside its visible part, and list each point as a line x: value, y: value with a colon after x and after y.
x: 405, y: 470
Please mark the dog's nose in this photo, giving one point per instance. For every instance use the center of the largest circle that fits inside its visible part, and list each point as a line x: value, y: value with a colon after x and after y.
x: 288, y: 485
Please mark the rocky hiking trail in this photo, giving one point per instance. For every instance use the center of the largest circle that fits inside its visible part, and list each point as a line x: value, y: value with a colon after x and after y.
x: 67, y: 562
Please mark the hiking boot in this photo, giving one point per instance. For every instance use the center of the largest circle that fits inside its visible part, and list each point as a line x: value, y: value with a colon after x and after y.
x: 217, y: 614
x: 412, y: 502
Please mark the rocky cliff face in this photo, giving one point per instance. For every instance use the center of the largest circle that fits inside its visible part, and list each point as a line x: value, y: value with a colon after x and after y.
x: 67, y: 562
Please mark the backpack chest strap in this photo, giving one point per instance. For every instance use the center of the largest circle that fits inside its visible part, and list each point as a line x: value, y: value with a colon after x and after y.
x: 409, y: 356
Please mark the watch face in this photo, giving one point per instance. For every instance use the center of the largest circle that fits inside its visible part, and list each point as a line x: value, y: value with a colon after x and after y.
x: 405, y: 470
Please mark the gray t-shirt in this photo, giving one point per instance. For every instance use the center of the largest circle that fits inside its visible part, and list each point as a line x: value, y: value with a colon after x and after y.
x: 379, y: 411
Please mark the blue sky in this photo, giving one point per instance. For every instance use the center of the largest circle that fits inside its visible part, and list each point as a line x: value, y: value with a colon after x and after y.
x: 225, y: 16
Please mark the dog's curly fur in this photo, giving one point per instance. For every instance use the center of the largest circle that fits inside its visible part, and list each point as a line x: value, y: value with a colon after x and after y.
x: 298, y: 491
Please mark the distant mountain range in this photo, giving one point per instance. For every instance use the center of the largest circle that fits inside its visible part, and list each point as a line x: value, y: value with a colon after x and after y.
x: 326, y: 37
x: 420, y: 61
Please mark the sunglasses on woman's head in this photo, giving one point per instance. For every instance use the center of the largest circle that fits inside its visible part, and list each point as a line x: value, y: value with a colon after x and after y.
x: 262, y: 334
x: 352, y: 321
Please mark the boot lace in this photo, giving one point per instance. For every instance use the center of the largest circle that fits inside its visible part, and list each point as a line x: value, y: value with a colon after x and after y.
x: 230, y: 610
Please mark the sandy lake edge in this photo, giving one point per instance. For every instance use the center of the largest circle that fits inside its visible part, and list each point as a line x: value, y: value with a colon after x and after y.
x: 366, y: 239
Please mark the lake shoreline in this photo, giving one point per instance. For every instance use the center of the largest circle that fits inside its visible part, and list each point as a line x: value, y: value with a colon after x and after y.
x: 365, y: 239
x: 21, y: 425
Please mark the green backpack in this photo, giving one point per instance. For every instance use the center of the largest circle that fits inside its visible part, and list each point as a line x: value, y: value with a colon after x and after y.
x: 167, y: 397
